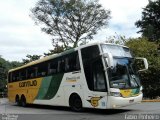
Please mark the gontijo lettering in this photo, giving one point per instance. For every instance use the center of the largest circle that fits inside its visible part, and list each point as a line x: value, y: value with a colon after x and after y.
x: 28, y: 83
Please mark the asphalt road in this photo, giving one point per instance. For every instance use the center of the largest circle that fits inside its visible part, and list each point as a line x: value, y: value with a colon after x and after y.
x: 143, y: 111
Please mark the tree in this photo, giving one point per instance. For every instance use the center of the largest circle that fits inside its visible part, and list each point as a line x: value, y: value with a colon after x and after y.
x: 70, y: 22
x: 116, y: 39
x: 14, y: 64
x: 141, y: 47
x: 150, y: 22
x: 57, y: 49
x: 4, y: 67
x: 31, y: 58
x: 3, y: 73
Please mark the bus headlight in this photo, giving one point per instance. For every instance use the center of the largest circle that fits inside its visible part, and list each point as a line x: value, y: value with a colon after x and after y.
x: 116, y: 94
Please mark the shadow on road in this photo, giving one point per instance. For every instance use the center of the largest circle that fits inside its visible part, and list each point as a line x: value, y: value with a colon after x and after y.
x: 87, y: 110
x: 107, y: 111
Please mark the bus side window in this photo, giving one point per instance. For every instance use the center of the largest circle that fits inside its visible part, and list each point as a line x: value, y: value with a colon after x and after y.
x: 67, y: 64
x: 22, y: 74
x: 42, y: 69
x: 31, y: 72
x: 72, y: 62
x: 77, y: 62
x: 52, y: 67
x: 59, y: 66
x: 15, y: 76
x: 62, y: 65
x: 10, y: 77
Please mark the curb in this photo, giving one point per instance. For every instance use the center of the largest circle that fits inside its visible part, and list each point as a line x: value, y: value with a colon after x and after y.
x: 151, y: 100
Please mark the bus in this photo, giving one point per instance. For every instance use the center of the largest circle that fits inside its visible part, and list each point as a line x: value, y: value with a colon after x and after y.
x: 97, y: 75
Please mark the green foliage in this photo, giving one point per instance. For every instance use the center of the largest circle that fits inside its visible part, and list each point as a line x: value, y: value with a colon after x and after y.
x: 57, y: 49
x: 116, y: 39
x: 3, y: 70
x: 141, y: 47
x: 4, y: 67
x: 31, y: 58
x: 14, y: 64
x: 70, y: 22
x: 150, y: 22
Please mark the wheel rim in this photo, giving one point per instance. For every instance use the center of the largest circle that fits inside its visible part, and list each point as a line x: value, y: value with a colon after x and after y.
x: 23, y: 102
x: 76, y: 103
x: 17, y: 101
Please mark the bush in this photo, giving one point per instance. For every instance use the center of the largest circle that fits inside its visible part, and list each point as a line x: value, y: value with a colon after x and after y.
x: 141, y: 47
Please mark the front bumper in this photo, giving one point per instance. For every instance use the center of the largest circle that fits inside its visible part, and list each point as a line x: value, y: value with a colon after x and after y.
x: 116, y: 102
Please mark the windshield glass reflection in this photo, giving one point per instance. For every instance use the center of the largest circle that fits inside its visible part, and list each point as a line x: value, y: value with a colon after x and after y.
x: 123, y: 74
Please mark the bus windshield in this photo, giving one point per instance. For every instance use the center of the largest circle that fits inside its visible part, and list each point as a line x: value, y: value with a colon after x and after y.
x: 123, y: 74
x: 116, y: 50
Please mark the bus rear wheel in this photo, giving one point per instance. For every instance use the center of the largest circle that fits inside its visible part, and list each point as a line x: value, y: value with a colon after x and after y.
x: 17, y: 100
x: 23, y: 101
x: 75, y: 103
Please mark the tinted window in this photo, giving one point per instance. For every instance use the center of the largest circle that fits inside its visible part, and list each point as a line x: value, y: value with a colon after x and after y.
x: 42, y: 69
x: 15, y: 76
x: 53, y: 64
x: 66, y: 63
x: 88, y: 56
x: 93, y: 69
x: 98, y: 76
x: 10, y: 77
x: 31, y: 72
x: 62, y: 64
x: 72, y: 62
x: 22, y: 74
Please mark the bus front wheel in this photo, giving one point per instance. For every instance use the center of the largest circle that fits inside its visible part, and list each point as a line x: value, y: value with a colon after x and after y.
x: 75, y: 103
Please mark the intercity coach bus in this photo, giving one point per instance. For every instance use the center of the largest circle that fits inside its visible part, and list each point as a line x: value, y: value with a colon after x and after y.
x: 97, y: 75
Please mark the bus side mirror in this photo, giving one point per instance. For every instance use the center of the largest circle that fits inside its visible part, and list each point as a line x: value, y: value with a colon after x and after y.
x: 109, y: 58
x: 142, y: 64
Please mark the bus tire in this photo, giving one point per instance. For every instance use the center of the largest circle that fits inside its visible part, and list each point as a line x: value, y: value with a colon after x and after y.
x: 23, y: 101
x: 75, y: 103
x: 17, y: 100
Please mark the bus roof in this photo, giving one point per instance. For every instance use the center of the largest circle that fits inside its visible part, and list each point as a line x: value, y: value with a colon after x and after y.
x: 60, y: 54
x: 43, y: 59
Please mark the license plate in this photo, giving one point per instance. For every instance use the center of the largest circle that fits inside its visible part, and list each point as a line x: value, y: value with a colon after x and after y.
x: 131, y: 101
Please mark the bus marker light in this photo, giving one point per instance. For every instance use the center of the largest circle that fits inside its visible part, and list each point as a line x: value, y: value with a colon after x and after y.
x: 114, y: 106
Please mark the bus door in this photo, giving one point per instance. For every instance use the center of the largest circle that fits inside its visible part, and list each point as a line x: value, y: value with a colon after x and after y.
x: 95, y: 78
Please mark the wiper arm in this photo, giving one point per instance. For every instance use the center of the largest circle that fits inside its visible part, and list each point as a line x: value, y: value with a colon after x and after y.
x: 135, y: 80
